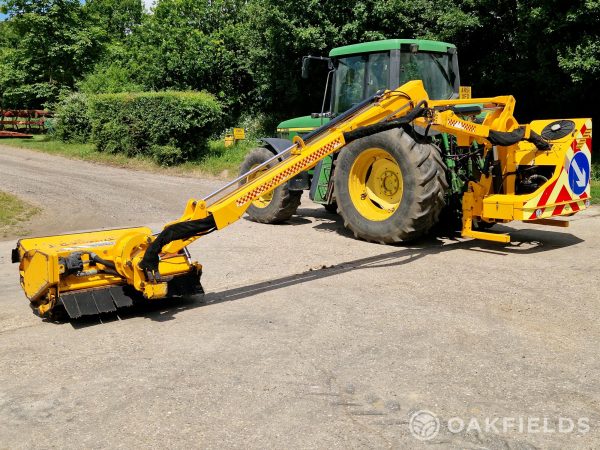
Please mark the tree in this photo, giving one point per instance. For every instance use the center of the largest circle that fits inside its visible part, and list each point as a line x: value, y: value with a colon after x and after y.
x: 118, y: 18
x: 276, y: 34
x: 544, y: 52
x: 248, y: 52
x: 186, y: 44
x: 48, y: 45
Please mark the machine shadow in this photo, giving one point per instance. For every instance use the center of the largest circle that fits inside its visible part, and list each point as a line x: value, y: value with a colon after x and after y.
x: 295, y: 220
x: 525, y: 241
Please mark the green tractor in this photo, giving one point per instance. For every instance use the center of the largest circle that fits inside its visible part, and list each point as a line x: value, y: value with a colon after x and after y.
x: 391, y: 186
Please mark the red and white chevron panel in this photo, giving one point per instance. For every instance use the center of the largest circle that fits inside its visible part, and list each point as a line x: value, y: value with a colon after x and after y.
x: 558, y: 199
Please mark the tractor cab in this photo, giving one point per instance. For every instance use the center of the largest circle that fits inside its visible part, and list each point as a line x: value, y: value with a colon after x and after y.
x: 358, y: 71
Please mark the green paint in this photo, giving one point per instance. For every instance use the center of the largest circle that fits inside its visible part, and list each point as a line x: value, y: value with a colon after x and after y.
x: 323, y: 182
x: 298, y: 125
x: 390, y: 44
x: 302, y: 122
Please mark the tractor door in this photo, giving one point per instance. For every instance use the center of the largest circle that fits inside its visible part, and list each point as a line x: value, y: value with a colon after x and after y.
x: 358, y: 77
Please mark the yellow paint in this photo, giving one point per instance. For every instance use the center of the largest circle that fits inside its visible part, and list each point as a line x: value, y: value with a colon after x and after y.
x: 464, y: 92
x: 239, y: 134
x: 264, y: 200
x: 379, y: 197
x: 282, y: 130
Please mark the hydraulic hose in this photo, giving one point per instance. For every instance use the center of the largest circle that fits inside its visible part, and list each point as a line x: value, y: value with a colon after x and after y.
x: 421, y: 110
x: 175, y: 232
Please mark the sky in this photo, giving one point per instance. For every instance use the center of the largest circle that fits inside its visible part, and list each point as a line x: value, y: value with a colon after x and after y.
x: 147, y: 3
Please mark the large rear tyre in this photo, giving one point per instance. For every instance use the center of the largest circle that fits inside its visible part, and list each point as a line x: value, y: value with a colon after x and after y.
x: 273, y: 207
x: 389, y: 188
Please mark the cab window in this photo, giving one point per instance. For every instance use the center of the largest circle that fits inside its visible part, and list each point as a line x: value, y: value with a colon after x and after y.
x: 435, y: 69
x: 358, y: 77
x: 378, y: 72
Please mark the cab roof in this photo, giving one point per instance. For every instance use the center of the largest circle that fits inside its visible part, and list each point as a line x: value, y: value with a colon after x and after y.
x: 390, y: 44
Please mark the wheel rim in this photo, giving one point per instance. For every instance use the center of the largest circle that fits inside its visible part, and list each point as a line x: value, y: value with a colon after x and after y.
x: 264, y: 200
x: 375, y: 184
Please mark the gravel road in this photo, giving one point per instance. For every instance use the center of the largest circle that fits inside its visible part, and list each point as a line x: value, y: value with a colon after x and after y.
x: 306, y: 338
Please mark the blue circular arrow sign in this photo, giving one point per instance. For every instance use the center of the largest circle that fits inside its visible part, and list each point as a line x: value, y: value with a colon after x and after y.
x: 579, y: 173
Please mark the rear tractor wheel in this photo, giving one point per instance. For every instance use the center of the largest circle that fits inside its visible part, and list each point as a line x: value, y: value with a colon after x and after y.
x: 273, y: 207
x: 389, y: 188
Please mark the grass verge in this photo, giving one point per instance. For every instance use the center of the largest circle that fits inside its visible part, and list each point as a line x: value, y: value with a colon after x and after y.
x: 596, y: 192
x: 218, y: 161
x: 13, y: 213
x: 595, y: 179
x: 221, y: 160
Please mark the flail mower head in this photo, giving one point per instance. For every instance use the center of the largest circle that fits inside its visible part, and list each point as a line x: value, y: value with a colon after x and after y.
x: 86, y: 272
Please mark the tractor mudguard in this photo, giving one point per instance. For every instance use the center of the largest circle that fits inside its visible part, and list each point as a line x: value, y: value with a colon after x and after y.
x: 276, y: 145
x: 300, y: 182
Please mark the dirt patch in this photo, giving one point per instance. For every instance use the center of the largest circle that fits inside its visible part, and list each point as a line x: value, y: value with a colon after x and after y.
x: 77, y: 195
x: 14, y: 215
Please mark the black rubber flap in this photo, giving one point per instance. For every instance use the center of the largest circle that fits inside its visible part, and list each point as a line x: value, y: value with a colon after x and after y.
x: 104, y: 301
x: 94, y: 302
x: 15, y: 257
x: 71, y: 306
x: 85, y: 302
x: 121, y: 300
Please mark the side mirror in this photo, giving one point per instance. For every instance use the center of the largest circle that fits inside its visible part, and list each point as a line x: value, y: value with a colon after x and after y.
x: 305, y: 63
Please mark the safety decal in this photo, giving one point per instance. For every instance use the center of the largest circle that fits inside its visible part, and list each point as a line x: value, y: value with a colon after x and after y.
x: 579, y: 173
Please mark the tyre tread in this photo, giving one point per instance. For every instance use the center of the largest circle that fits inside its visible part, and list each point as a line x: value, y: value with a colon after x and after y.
x: 285, y: 202
x: 430, y: 184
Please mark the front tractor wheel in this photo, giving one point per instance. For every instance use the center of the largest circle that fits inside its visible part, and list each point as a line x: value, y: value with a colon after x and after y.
x: 273, y: 207
x: 389, y: 188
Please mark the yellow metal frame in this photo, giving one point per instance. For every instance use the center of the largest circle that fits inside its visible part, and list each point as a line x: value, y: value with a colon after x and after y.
x: 264, y: 200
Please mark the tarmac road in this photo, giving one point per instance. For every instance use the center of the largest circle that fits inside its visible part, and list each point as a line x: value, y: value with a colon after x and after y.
x: 306, y: 338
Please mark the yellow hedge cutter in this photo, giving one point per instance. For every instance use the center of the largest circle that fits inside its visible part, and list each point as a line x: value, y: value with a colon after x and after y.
x: 388, y: 175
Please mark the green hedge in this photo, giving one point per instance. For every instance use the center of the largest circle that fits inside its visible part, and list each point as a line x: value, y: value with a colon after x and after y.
x: 72, y: 121
x: 170, y: 126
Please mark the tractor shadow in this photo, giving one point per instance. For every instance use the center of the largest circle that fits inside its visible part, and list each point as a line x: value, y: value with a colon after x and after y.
x: 525, y: 241
x: 293, y: 221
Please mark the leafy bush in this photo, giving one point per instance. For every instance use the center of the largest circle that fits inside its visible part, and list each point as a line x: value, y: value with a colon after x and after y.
x: 110, y: 79
x: 112, y: 137
x: 166, y: 155
x: 256, y: 124
x: 595, y: 170
x: 170, y: 127
x: 72, y: 122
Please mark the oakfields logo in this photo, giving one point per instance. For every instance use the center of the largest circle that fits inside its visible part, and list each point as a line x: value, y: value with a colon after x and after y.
x: 425, y: 425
